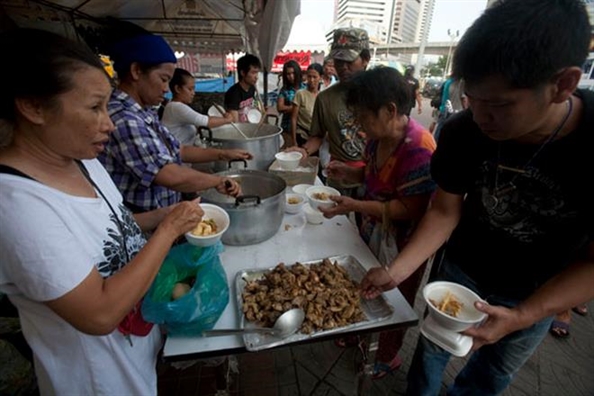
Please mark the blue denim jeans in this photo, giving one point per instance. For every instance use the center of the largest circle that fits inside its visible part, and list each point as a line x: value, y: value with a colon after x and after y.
x: 490, y: 369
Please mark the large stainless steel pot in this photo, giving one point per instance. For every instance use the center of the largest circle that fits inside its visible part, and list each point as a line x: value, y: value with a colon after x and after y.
x: 257, y: 214
x: 263, y: 142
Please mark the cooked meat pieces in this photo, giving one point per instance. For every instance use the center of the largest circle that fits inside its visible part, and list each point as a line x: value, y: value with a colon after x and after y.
x: 324, y: 291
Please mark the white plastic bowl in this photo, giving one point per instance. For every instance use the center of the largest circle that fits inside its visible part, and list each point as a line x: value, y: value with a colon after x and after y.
x: 254, y: 116
x: 313, y: 216
x: 301, y: 188
x: 288, y: 159
x: 469, y: 315
x: 220, y: 216
x: 294, y: 207
x: 316, y: 203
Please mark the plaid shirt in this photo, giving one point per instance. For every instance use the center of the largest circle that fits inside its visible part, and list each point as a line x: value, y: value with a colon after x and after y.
x: 137, y: 150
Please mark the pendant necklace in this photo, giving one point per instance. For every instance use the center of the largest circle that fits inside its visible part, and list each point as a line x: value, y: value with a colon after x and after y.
x: 493, y: 199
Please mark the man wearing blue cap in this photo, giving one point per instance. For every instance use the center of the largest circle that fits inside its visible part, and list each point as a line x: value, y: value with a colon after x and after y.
x: 143, y: 158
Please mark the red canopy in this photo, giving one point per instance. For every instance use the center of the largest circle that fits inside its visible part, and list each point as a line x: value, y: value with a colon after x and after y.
x: 301, y: 57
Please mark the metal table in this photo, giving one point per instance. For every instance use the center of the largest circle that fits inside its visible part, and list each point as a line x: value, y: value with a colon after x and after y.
x: 296, y: 240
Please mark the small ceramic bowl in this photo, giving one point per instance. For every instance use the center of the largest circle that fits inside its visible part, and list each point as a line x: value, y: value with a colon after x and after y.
x: 288, y: 159
x: 301, y: 188
x: 294, y: 203
x: 313, y: 216
x: 318, y: 196
x: 221, y: 218
x: 469, y: 316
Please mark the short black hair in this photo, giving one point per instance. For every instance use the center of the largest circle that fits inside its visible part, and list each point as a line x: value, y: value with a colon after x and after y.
x: 525, y: 41
x: 179, y: 79
x: 317, y: 67
x: 246, y: 62
x: 378, y: 87
x: 41, y: 66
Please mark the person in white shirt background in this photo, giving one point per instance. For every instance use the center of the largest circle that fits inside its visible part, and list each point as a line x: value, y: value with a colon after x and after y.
x: 181, y: 120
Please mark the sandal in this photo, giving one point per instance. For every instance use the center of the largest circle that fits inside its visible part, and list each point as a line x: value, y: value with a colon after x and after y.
x: 581, y: 310
x: 380, y: 370
x: 559, y: 329
x: 347, y: 342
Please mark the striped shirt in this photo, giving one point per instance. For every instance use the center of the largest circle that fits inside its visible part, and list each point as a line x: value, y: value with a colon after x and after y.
x: 137, y: 150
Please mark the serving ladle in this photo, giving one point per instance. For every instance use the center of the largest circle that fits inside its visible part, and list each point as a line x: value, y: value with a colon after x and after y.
x: 222, y: 112
x: 286, y: 324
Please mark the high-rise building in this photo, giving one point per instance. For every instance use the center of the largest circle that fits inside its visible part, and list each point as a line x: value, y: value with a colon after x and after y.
x: 371, y: 15
x: 427, y: 8
x: 386, y: 21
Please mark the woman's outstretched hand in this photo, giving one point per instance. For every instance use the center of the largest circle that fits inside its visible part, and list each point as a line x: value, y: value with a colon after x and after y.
x: 376, y: 281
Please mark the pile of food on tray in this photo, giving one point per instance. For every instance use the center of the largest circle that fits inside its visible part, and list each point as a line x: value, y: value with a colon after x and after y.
x: 324, y: 291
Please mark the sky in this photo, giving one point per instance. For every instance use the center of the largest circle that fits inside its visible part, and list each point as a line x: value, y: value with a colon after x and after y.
x: 317, y: 16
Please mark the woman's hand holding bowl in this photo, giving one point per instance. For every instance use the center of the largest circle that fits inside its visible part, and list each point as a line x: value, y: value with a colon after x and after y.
x: 183, y: 218
x: 344, y: 205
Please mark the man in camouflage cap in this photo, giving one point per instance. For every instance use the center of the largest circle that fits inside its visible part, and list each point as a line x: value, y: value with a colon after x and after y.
x: 331, y: 118
x: 348, y: 44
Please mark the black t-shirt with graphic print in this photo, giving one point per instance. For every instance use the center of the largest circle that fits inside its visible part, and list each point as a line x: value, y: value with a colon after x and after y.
x: 538, y: 226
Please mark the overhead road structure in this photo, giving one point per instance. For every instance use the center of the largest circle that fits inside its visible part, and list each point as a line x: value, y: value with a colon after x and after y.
x: 431, y: 48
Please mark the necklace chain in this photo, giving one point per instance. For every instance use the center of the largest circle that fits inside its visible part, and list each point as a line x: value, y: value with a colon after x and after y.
x: 498, y: 192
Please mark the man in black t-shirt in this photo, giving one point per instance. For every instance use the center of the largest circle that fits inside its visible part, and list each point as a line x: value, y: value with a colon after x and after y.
x: 415, y: 97
x: 242, y: 96
x: 512, y: 201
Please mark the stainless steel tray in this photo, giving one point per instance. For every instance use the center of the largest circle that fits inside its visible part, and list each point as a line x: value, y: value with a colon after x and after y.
x: 376, y: 310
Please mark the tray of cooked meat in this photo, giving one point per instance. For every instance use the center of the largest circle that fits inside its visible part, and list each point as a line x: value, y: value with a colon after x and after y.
x: 326, y: 289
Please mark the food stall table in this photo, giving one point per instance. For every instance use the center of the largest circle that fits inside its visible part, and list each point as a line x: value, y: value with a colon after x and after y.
x: 296, y: 240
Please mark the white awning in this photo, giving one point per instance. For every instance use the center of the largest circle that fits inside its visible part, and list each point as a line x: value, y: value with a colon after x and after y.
x: 194, y: 26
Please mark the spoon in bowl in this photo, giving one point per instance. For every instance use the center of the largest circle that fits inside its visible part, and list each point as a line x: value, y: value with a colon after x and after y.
x: 286, y: 324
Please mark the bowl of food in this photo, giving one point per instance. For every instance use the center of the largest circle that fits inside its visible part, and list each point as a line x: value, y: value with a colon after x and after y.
x: 288, y: 159
x: 319, y: 196
x: 452, y: 305
x: 301, y: 188
x: 294, y: 203
x: 211, y: 228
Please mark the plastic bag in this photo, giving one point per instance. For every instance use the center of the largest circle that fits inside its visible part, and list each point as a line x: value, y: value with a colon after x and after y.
x: 383, y: 245
x: 202, y: 306
x: 382, y: 241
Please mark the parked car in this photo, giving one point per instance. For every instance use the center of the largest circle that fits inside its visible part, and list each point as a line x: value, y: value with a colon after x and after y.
x: 431, y: 87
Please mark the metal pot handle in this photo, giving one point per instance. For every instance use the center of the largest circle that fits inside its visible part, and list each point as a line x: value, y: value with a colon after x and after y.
x: 203, y: 128
x: 274, y: 116
x: 238, y: 160
x: 241, y: 200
